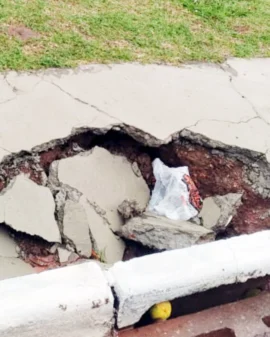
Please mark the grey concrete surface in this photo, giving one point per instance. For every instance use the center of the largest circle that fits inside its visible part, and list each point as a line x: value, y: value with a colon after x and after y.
x: 227, y: 102
x: 29, y: 208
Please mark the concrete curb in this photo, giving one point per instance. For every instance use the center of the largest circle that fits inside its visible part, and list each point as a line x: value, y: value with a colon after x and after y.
x: 142, y: 282
x: 75, y: 301
x: 78, y: 301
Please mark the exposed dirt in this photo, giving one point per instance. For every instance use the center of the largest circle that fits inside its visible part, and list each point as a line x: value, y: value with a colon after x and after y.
x: 21, y: 32
x: 214, y: 173
x: 218, y: 174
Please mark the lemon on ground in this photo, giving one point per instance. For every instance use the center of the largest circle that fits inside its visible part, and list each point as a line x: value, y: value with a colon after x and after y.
x: 161, y: 311
x: 252, y: 292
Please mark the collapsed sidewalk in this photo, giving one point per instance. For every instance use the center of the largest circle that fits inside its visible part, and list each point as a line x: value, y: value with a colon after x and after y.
x: 77, y: 150
x: 75, y: 144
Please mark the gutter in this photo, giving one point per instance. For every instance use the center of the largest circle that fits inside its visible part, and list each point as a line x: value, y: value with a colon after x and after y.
x: 78, y: 300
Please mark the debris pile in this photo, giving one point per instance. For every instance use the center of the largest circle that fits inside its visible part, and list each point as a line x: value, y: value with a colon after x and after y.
x: 99, y: 195
x: 161, y: 233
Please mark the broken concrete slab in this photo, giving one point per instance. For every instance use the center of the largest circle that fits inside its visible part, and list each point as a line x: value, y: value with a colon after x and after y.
x: 161, y: 233
x: 7, y: 244
x: 103, y: 96
x: 105, y: 180
x: 75, y: 227
x: 28, y: 207
x: 128, y: 89
x: 12, y: 267
x: 107, y: 246
x: 218, y: 211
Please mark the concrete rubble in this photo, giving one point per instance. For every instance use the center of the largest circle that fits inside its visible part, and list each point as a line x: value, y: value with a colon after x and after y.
x: 218, y: 211
x: 129, y: 208
x: 63, y: 254
x: 91, y: 220
x: 164, y: 234
x: 28, y: 207
x: 85, y: 141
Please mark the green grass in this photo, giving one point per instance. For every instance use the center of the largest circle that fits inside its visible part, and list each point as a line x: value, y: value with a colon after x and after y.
x: 160, y: 31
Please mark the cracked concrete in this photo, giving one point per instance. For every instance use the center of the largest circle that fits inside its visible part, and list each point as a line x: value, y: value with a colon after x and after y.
x: 212, y: 118
x: 225, y: 103
x: 29, y: 208
x: 113, y: 180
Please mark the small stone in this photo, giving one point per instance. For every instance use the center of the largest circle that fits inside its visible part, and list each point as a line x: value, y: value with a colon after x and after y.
x: 162, y: 233
x: 29, y: 208
x: 63, y: 254
x: 218, y: 211
x: 130, y: 208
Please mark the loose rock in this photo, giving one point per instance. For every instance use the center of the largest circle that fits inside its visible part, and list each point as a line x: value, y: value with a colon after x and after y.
x: 130, y: 208
x: 63, y: 254
x: 28, y: 207
x: 162, y: 233
x: 218, y: 211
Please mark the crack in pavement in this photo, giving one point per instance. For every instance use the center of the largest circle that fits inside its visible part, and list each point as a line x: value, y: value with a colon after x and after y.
x: 84, y: 102
x: 14, y: 89
x: 233, y: 86
x: 8, y: 100
x: 221, y: 121
x: 248, y: 101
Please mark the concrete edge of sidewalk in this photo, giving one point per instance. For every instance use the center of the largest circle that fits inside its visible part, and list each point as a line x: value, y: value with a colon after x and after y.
x: 80, y: 299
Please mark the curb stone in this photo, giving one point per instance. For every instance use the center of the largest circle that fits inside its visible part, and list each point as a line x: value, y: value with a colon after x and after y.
x: 79, y: 300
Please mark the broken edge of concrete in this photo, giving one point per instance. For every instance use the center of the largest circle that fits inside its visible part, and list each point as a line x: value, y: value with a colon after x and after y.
x: 78, y: 300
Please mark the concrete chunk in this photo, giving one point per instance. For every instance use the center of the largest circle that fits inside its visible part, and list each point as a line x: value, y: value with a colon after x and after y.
x: 161, y: 233
x: 218, y: 211
x: 28, y: 207
x: 105, y: 180
x: 75, y: 227
x: 7, y: 244
x: 63, y: 254
x: 106, y: 244
x: 12, y: 267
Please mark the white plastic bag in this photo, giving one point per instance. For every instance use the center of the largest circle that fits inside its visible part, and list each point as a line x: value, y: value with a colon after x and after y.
x: 171, y: 194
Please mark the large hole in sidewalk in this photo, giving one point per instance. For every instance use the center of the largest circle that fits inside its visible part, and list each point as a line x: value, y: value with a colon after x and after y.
x: 214, y: 169
x: 219, y: 333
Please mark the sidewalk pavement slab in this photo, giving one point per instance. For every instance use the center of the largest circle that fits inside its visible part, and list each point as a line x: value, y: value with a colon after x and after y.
x: 227, y: 103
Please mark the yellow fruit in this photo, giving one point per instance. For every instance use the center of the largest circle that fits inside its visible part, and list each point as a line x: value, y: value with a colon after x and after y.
x: 161, y: 311
x: 252, y: 292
